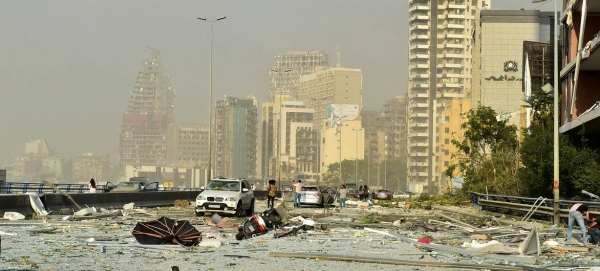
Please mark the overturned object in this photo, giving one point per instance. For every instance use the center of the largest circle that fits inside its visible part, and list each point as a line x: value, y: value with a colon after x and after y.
x: 260, y: 224
x: 13, y: 216
x: 167, y: 231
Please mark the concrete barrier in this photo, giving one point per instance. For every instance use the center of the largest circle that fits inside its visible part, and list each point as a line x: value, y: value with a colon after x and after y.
x: 55, y: 202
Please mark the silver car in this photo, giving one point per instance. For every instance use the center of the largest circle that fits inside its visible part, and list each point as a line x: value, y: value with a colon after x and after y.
x: 316, y: 195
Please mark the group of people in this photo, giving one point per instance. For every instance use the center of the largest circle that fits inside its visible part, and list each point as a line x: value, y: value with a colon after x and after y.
x: 590, y: 227
x: 363, y: 192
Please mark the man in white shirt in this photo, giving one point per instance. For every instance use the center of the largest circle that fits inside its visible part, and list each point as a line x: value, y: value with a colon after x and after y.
x: 298, y: 193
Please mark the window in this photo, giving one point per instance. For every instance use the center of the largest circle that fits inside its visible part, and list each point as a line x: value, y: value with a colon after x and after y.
x: 447, y: 130
x: 447, y: 141
x: 446, y: 163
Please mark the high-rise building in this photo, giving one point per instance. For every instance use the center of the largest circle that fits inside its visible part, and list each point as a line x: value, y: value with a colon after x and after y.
x: 394, y: 119
x: 288, y: 68
x: 151, y: 109
x: 188, y: 146
x: 235, y: 137
x: 441, y: 39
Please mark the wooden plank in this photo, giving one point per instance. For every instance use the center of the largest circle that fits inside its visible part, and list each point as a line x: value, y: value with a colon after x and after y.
x: 46, y: 182
x: 456, y: 221
x: 576, y: 249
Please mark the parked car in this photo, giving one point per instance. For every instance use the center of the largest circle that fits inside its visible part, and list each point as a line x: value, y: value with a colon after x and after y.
x: 383, y: 194
x: 135, y: 186
x: 226, y: 196
x: 401, y: 194
x: 317, y: 195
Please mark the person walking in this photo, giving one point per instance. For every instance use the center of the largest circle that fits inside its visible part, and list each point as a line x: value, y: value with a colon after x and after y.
x: 576, y: 213
x: 366, y: 192
x: 298, y: 190
x: 92, y: 186
x: 271, y: 193
x: 343, y: 192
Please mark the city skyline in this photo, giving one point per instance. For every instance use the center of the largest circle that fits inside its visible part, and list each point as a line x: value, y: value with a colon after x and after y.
x: 68, y: 78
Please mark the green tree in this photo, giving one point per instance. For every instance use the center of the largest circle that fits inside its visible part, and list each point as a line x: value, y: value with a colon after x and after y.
x: 487, y: 154
x: 577, y: 161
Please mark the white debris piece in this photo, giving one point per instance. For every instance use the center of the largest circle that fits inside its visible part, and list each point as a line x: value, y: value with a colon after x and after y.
x: 210, y: 243
x: 36, y: 203
x: 129, y: 206
x: 13, y: 216
x: 85, y: 211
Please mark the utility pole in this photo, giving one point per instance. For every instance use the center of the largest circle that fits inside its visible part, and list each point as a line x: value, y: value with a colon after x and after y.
x: 210, y: 99
x: 279, y: 93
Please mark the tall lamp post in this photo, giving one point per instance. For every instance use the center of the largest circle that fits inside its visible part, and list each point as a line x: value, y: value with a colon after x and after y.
x: 279, y: 91
x: 556, y: 88
x: 356, y: 156
x: 210, y: 99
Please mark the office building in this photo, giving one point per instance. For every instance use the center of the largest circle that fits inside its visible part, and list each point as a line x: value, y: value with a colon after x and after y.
x: 394, y: 119
x: 441, y: 38
x: 90, y: 165
x: 235, y: 137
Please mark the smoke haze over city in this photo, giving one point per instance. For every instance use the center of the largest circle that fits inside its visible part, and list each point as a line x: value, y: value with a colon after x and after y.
x: 68, y: 67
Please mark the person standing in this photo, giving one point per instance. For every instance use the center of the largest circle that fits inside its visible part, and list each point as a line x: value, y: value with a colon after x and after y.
x: 366, y: 192
x: 360, y: 193
x: 92, y: 186
x: 343, y: 192
x: 298, y: 190
x: 576, y: 213
x: 271, y: 193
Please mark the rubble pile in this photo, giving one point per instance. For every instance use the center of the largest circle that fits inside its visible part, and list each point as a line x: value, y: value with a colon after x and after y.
x: 369, y: 236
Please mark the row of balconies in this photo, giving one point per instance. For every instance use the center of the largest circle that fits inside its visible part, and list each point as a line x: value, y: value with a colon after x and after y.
x: 418, y: 7
x: 418, y: 37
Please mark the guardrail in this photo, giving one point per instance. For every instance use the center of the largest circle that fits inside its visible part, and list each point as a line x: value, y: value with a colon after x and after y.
x: 22, y: 188
x: 520, y: 205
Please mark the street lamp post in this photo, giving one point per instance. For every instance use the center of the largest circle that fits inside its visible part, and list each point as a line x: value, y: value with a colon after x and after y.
x: 210, y: 99
x: 279, y: 91
x: 555, y: 120
x: 356, y: 156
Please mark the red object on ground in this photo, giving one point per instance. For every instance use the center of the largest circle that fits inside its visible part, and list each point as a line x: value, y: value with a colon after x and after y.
x: 424, y: 240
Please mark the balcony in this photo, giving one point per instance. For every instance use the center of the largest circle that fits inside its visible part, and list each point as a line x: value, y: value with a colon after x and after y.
x: 418, y: 37
x: 455, y: 16
x: 453, y: 56
x: 419, y: 115
x: 418, y: 144
x: 415, y: 95
x: 419, y: 56
x: 418, y: 174
x: 453, y: 6
x: 419, y: 124
x: 449, y: 75
x: 418, y: 164
x: 420, y: 85
x: 455, y: 36
x: 419, y: 66
x: 454, y: 46
x: 419, y: 46
x: 419, y: 75
x: 417, y: 154
x: 419, y: 17
x: 417, y: 134
x: 452, y: 95
x: 418, y: 7
x: 449, y: 85
x: 418, y: 27
x: 451, y: 65
x: 454, y: 26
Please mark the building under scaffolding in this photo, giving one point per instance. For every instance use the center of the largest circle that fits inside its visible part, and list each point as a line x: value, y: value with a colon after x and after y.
x: 540, y: 57
x: 288, y: 68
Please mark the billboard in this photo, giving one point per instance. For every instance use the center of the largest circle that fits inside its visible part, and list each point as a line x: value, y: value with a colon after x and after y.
x: 337, y: 113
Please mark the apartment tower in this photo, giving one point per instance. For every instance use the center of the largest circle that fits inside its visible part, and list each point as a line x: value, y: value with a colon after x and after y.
x: 441, y: 37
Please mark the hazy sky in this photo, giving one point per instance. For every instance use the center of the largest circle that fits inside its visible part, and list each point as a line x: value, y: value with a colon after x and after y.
x: 67, y: 67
